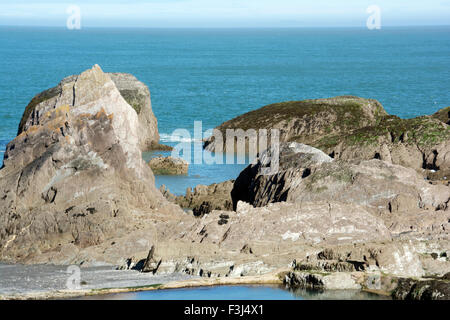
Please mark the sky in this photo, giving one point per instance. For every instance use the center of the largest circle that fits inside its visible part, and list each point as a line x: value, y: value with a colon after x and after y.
x: 224, y: 13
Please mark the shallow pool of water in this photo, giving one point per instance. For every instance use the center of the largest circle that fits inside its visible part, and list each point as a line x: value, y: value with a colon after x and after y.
x: 247, y: 292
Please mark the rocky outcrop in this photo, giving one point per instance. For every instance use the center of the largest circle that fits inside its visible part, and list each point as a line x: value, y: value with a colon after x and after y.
x: 74, y: 176
x: 421, y: 143
x: 443, y: 115
x: 151, y: 264
x: 392, y: 269
x: 422, y: 289
x: 306, y: 174
x: 401, y: 259
x: 204, y: 199
x: 75, y: 190
x: 352, y: 128
x: 308, y: 121
x: 169, y: 166
x: 135, y: 93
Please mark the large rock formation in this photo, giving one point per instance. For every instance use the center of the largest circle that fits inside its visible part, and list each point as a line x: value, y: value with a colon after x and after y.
x: 135, y: 93
x: 75, y: 190
x: 351, y: 128
x: 306, y: 174
x: 74, y: 174
x: 307, y: 121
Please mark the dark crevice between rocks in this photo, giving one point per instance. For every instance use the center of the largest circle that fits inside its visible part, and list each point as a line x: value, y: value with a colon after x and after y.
x: 306, y: 173
x: 430, y: 166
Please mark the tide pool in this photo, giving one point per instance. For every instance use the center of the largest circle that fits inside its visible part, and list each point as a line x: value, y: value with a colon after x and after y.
x: 248, y: 292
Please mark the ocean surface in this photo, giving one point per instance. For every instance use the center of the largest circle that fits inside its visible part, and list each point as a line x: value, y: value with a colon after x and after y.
x: 214, y: 75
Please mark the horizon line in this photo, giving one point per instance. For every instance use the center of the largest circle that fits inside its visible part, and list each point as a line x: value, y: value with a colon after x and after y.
x: 228, y: 27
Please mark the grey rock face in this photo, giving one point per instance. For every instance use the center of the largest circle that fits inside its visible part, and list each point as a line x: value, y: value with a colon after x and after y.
x: 290, y: 223
x: 75, y: 173
x: 204, y: 199
x: 306, y: 174
x: 137, y: 95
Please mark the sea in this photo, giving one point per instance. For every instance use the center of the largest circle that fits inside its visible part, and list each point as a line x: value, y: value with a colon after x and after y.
x: 213, y: 75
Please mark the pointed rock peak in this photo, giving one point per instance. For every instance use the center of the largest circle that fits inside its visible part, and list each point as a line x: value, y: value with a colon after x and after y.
x: 94, y: 74
x: 93, y: 85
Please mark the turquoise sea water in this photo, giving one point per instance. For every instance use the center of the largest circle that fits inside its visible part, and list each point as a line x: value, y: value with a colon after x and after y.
x: 214, y: 75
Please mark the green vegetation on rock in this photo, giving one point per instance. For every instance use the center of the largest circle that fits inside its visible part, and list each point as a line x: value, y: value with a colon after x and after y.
x: 137, y: 102
x: 420, y: 131
x: 443, y: 115
x: 41, y: 97
x: 349, y: 112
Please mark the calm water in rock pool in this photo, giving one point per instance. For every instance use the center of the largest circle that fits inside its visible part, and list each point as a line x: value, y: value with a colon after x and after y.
x: 249, y: 292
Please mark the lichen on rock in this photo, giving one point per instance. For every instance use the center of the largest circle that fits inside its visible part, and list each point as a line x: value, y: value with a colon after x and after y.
x: 168, y: 166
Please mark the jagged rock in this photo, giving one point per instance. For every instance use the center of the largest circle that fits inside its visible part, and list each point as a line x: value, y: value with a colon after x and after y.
x: 204, y: 199
x: 168, y: 166
x: 74, y: 175
x: 320, y: 281
x: 166, y: 193
x: 246, y: 249
x: 412, y: 289
x: 419, y: 143
x: 305, y: 176
x: 132, y: 90
x: 401, y: 259
x: 151, y: 264
x: 295, y: 162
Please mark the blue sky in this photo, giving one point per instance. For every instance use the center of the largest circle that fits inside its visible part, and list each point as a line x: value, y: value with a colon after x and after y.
x: 224, y: 13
